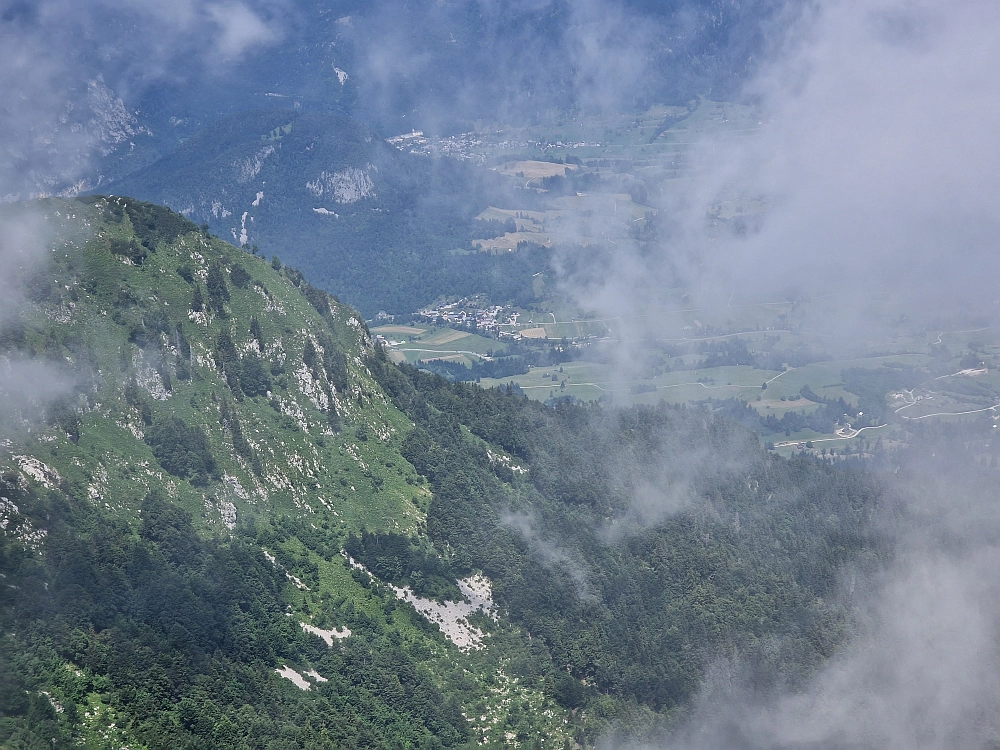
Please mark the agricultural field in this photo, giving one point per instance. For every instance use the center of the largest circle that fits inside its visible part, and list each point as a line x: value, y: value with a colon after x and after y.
x: 533, y: 170
x: 573, y: 329
x: 820, y: 406
x: 661, y: 134
x: 580, y: 219
x: 595, y: 181
x: 414, y: 344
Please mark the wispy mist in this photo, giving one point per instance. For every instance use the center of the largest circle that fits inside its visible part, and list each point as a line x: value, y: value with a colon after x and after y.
x: 25, y: 385
x: 549, y: 551
x: 24, y: 236
x: 445, y: 66
x: 920, y: 670
x: 71, y: 73
x: 872, y: 182
x: 64, y: 70
x: 868, y: 186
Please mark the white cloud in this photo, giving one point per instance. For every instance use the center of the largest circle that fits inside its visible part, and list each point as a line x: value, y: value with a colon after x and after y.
x: 879, y: 165
x: 240, y: 29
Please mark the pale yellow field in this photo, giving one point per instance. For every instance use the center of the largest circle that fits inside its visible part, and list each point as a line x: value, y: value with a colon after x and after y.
x: 509, y: 241
x: 445, y: 336
x: 531, y: 170
x: 401, y: 330
x: 534, y: 333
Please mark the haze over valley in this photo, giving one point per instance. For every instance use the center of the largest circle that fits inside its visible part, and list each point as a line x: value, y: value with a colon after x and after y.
x: 609, y: 374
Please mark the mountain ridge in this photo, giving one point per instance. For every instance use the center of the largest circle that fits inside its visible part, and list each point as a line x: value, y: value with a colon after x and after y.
x: 235, y: 502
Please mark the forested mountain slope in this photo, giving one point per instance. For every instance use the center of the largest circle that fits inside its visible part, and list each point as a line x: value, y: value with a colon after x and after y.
x: 364, y: 219
x: 228, y: 521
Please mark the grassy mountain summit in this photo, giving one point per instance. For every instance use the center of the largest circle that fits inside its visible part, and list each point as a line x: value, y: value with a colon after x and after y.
x: 212, y: 401
x: 185, y: 349
x: 229, y: 521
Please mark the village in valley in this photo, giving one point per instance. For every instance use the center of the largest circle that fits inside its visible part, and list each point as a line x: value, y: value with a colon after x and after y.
x: 475, y: 313
x: 593, y: 181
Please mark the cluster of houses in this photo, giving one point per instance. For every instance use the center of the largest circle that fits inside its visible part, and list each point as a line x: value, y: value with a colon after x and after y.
x: 494, y: 320
x: 456, y: 146
x: 470, y: 146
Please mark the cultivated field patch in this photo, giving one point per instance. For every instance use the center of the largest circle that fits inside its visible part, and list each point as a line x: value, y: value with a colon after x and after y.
x: 399, y: 330
x: 508, y: 243
x: 445, y: 336
x: 534, y: 333
x: 534, y: 170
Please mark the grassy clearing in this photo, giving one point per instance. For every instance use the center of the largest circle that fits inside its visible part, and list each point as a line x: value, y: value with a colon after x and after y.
x: 526, y: 220
x: 580, y: 219
x: 531, y: 170
x: 398, y: 331
x: 815, y: 444
x: 415, y: 356
x: 443, y: 336
x: 440, y: 343
x: 775, y: 406
x: 508, y: 243
x: 584, y: 380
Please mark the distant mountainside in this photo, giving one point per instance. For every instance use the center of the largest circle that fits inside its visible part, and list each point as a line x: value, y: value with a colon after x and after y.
x: 363, y: 219
x: 237, y: 525
x: 130, y: 111
x: 442, y: 66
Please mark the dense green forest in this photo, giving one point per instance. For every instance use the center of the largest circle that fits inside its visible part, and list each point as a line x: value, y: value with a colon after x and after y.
x: 229, y: 526
x: 630, y: 599
x: 179, y: 635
